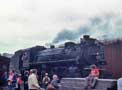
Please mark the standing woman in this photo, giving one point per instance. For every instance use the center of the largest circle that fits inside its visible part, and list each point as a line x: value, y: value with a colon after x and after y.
x: 12, y: 80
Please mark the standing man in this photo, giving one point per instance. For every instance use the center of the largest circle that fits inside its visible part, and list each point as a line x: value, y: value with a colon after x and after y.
x: 32, y: 81
x: 25, y: 79
x: 46, y: 80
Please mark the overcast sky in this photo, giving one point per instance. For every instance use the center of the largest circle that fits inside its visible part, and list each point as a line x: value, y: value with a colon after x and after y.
x: 26, y: 23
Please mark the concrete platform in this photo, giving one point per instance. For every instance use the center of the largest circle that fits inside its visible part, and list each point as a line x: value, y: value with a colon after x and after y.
x: 79, y: 84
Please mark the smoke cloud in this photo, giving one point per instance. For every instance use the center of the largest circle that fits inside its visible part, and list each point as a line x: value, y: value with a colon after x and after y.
x: 100, y: 27
x: 70, y: 35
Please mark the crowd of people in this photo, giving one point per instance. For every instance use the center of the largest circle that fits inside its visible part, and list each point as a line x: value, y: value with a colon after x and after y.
x: 11, y: 80
x: 30, y: 81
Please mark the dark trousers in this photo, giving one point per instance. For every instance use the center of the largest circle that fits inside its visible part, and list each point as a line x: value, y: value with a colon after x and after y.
x: 18, y: 87
x: 25, y: 86
x: 10, y: 87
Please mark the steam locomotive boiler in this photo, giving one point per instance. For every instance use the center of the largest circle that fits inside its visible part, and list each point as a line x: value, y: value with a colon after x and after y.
x: 66, y: 61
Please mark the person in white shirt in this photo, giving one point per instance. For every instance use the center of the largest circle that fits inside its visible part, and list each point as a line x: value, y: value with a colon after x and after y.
x: 119, y: 84
x: 32, y: 81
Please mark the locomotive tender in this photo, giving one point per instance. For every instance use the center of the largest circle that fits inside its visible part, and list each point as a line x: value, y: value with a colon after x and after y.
x: 67, y: 61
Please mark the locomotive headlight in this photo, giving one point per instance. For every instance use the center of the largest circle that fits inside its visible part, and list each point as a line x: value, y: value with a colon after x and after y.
x: 97, y: 53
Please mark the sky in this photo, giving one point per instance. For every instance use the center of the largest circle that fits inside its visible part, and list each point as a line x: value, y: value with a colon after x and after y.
x: 27, y: 23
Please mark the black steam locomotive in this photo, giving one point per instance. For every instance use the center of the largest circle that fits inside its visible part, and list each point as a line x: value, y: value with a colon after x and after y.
x: 67, y: 61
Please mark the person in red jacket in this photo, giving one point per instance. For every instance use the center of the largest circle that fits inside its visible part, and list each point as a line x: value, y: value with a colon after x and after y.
x: 95, y: 71
x: 91, y: 80
x: 19, y: 82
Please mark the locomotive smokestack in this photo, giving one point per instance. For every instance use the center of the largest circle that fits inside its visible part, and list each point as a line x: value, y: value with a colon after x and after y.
x: 52, y: 46
x: 86, y: 37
